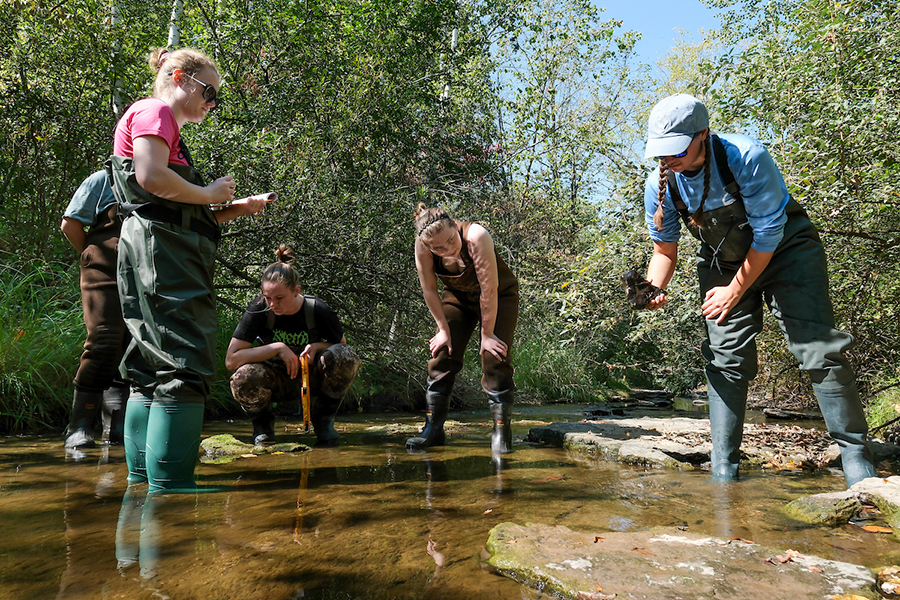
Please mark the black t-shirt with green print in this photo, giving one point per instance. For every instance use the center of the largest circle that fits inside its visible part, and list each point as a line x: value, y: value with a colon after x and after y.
x: 292, y: 330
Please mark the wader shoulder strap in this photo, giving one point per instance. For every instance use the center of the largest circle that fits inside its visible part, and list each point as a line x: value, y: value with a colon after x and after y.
x: 725, y: 174
x: 309, y: 308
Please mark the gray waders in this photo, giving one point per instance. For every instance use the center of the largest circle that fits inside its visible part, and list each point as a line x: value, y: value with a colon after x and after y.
x: 795, y: 288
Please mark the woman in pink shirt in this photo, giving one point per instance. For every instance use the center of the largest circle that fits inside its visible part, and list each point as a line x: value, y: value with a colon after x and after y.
x: 165, y: 268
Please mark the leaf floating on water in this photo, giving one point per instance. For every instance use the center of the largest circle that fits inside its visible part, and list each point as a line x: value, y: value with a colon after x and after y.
x: 739, y: 539
x: 642, y: 551
x: 816, y: 569
x: 488, y: 511
x: 876, y: 529
x: 248, y: 456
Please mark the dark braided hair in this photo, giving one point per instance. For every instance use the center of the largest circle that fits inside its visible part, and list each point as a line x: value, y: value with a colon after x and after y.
x: 430, y: 221
x: 696, y: 218
x: 661, y: 195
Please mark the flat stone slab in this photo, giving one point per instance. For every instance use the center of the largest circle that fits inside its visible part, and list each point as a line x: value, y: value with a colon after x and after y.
x: 665, y: 563
x: 684, y: 443
x: 224, y: 448
x: 838, y: 507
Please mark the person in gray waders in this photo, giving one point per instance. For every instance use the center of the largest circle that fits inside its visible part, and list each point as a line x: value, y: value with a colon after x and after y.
x: 98, y: 388
x: 478, y: 286
x: 165, y: 269
x: 757, y: 245
x: 290, y: 327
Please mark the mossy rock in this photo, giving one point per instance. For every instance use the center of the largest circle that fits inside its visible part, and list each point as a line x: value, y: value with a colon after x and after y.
x: 224, y: 448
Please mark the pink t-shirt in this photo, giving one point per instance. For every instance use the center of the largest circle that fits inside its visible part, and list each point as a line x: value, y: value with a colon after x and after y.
x: 150, y: 116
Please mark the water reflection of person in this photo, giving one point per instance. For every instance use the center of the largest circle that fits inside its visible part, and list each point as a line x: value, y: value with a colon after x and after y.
x: 757, y: 245
x: 89, y: 513
x: 166, y: 260
x: 291, y: 327
x: 478, y: 286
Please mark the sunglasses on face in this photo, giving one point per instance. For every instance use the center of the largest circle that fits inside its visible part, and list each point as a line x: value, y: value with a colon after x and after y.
x: 682, y: 155
x: 209, y: 92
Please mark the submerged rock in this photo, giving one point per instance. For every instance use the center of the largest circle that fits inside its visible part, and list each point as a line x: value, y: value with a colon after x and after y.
x: 664, y: 563
x: 225, y: 448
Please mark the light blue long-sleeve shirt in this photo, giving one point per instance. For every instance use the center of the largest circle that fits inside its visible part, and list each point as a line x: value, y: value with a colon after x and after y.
x: 92, y: 198
x: 761, y: 186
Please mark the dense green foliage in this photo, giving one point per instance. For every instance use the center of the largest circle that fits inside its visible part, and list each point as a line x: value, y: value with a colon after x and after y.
x: 526, y: 116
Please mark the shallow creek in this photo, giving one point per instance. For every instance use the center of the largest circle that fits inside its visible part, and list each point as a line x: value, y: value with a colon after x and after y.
x: 365, y: 520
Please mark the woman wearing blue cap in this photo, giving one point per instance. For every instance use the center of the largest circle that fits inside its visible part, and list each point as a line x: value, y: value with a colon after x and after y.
x: 757, y: 245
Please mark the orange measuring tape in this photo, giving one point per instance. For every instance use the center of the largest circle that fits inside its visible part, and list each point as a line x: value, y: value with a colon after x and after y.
x: 306, y: 394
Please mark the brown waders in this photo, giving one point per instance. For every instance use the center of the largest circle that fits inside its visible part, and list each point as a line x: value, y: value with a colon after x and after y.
x: 462, y: 307
x: 98, y: 391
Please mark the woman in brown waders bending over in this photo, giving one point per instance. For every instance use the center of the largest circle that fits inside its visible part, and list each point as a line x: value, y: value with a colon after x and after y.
x: 478, y: 286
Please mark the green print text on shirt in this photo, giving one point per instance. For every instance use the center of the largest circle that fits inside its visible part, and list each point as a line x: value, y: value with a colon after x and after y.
x: 291, y: 339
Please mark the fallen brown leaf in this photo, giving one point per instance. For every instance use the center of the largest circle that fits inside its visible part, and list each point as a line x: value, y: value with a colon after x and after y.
x: 815, y: 569
x: 488, y: 511
x: 642, y: 551
x: 877, y: 529
x: 597, y: 538
x: 782, y: 558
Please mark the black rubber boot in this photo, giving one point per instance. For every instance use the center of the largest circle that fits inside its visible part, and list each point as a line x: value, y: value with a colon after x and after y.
x: 847, y: 425
x: 437, y: 403
x: 113, y: 414
x: 264, y: 428
x: 85, y: 408
x: 501, y: 404
x: 323, y: 421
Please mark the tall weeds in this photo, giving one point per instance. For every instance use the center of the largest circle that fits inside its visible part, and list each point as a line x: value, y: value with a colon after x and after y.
x: 41, y: 332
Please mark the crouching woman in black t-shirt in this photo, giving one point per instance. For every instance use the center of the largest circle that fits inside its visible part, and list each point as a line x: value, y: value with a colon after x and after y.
x: 289, y: 326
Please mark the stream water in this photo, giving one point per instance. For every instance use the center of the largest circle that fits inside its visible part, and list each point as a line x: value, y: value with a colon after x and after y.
x: 365, y: 520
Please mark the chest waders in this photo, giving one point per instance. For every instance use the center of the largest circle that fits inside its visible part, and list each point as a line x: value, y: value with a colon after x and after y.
x: 462, y: 308
x: 794, y: 285
x: 165, y: 267
x: 97, y: 389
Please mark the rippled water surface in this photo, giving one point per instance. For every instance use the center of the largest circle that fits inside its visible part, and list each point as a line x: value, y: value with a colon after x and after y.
x: 365, y: 520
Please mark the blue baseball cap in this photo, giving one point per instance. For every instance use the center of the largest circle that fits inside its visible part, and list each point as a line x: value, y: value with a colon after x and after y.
x: 673, y: 123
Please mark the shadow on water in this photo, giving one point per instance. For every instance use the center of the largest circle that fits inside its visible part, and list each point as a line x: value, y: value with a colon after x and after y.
x: 365, y: 520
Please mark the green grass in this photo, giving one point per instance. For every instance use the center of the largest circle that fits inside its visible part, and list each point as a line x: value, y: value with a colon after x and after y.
x: 41, y: 336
